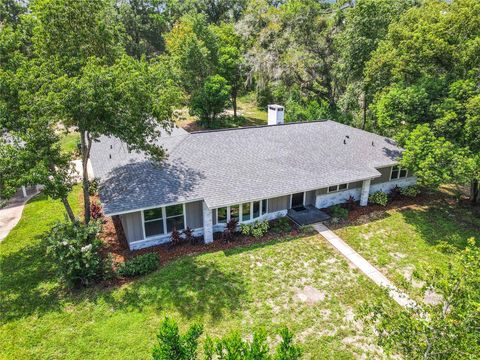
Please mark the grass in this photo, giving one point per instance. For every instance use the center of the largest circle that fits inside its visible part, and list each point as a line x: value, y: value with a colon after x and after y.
x: 410, y: 241
x: 68, y: 142
x: 248, y: 108
x: 244, y: 288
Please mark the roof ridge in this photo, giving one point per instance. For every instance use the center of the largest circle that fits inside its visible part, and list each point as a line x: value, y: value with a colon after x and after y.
x: 258, y: 126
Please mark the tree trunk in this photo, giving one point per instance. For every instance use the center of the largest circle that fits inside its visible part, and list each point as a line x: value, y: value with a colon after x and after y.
x: 364, y: 122
x: 234, y: 101
x: 69, y: 210
x: 474, y: 191
x: 85, y: 148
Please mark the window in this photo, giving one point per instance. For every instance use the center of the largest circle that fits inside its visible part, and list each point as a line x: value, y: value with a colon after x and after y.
x: 235, y: 212
x: 246, y: 212
x: 153, y: 222
x: 175, y: 217
x: 337, y: 188
x: 222, y: 215
x: 256, y: 209
x: 264, y: 207
x: 398, y: 173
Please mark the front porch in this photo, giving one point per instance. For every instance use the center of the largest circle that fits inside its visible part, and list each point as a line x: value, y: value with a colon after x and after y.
x: 307, y: 215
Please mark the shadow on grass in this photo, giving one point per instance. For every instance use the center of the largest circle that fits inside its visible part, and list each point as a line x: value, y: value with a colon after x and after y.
x: 442, y: 224
x: 27, y: 283
x: 193, y: 288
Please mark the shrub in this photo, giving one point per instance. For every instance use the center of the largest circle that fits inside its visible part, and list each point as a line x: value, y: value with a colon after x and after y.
x: 282, y: 225
x: 230, y: 230
x: 246, y: 229
x: 188, y: 233
x: 395, y: 192
x: 379, y: 198
x: 171, y: 345
x: 233, y: 346
x: 410, y: 191
x: 351, y: 203
x: 338, y: 212
x: 260, y: 228
x: 211, y: 99
x: 96, y: 211
x: 139, y: 265
x: 76, y: 251
x: 175, y: 237
x: 93, y: 186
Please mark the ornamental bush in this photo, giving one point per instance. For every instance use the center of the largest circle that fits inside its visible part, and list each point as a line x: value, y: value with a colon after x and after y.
x: 76, y: 251
x: 246, y: 229
x: 260, y: 228
x: 338, y: 212
x: 139, y: 265
x: 410, y: 191
x: 379, y: 198
x: 282, y: 225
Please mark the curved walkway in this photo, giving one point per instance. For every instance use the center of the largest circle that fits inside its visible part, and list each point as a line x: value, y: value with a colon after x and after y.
x: 10, y: 215
x: 364, y: 266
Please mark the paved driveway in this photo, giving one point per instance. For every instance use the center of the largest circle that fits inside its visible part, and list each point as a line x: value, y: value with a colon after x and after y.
x: 12, y: 212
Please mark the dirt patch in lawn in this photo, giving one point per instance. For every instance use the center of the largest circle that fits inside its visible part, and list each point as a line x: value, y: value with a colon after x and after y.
x: 116, y: 244
x: 310, y: 295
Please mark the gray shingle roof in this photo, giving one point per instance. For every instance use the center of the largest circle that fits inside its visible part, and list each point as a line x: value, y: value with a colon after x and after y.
x: 238, y: 165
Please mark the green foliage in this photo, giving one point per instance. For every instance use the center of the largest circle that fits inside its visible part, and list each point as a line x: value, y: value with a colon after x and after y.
x: 338, y: 211
x: 410, y: 191
x: 211, y: 100
x: 171, y: 345
x: 282, y: 225
x: 435, y: 331
x: 139, y: 265
x: 76, y: 251
x: 256, y: 229
x: 379, y: 198
x: 233, y: 346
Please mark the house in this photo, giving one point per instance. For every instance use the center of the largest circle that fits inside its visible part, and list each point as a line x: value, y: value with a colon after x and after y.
x: 251, y: 173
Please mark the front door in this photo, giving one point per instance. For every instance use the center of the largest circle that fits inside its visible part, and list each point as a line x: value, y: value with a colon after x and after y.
x: 297, y: 200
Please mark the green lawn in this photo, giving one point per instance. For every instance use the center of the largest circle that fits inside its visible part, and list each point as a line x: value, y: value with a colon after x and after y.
x: 267, y: 285
x: 68, y: 142
x: 248, y: 108
x: 402, y: 242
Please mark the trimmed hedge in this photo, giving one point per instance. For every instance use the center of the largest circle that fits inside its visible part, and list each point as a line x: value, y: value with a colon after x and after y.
x: 139, y: 265
x: 379, y: 198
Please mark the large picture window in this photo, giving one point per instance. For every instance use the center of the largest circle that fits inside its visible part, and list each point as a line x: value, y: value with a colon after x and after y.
x: 256, y: 209
x: 161, y: 221
x: 153, y: 222
x: 222, y: 215
x: 398, y: 173
x: 175, y: 217
x: 244, y: 212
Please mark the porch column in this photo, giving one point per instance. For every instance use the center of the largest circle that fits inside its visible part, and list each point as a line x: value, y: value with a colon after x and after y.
x: 365, y: 192
x: 207, y: 224
x: 24, y: 191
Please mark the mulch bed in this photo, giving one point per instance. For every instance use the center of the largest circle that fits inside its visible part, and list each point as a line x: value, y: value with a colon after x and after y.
x: 116, y: 245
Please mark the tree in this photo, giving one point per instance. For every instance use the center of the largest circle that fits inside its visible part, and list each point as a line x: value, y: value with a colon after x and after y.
x: 364, y: 24
x: 231, y: 63
x: 145, y: 22
x: 94, y: 88
x: 445, y: 330
x: 425, y: 72
x: 211, y: 100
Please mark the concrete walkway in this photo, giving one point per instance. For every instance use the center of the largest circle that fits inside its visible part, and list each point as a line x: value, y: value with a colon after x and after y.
x: 368, y: 269
x: 10, y: 215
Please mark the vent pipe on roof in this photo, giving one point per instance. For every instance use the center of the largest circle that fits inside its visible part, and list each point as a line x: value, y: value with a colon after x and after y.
x: 276, y: 114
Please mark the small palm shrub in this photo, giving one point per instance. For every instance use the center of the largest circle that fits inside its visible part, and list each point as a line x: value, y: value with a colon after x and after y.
x: 282, y: 225
x: 189, y: 238
x: 230, y: 230
x: 96, y: 211
x: 410, y: 191
x: 75, y: 249
x: 395, y: 192
x: 139, y: 265
x: 338, y: 212
x: 379, y: 198
x: 175, y: 237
